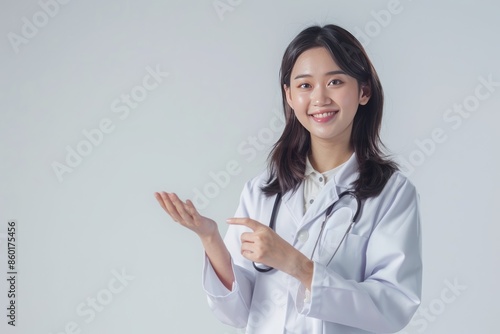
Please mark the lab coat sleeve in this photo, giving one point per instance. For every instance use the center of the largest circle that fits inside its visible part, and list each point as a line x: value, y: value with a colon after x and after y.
x: 232, y: 307
x: 390, y: 293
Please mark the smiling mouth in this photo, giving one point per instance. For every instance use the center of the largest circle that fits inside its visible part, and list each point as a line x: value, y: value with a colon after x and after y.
x: 324, y: 115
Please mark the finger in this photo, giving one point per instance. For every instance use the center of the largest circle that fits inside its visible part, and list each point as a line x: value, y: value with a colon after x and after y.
x: 159, y: 198
x: 247, y: 255
x: 181, y: 208
x: 170, y: 207
x: 250, y: 223
x: 192, y: 209
x: 160, y: 201
x: 251, y: 252
x: 247, y: 251
x: 247, y: 237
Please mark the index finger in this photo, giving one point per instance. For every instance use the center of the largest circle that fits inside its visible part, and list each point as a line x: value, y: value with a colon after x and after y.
x: 253, y: 224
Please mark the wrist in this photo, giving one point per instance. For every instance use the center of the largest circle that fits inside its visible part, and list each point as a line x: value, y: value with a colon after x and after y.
x: 303, y: 270
x: 208, y: 239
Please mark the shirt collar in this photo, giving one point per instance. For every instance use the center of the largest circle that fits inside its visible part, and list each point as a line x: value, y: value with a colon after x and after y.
x: 351, y: 166
x: 309, y: 168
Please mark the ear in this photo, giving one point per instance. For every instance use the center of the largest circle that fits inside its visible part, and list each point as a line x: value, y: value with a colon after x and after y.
x: 288, y: 95
x: 365, y: 93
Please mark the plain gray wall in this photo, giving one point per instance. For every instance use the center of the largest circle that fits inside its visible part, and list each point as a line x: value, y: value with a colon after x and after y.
x: 212, y: 111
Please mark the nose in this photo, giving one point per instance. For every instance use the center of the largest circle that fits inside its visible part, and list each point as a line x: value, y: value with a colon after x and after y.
x: 319, y: 96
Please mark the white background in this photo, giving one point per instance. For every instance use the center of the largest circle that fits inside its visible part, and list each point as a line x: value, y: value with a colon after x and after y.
x: 222, y: 89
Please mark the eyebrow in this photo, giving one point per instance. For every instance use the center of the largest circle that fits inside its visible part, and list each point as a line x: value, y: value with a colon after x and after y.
x: 326, y: 74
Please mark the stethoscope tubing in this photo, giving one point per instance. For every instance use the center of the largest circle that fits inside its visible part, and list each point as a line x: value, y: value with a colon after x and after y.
x: 272, y: 224
x: 328, y: 213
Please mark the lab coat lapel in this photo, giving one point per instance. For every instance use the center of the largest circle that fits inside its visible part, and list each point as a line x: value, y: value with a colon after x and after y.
x: 327, y: 196
x: 294, y: 203
x: 343, y: 180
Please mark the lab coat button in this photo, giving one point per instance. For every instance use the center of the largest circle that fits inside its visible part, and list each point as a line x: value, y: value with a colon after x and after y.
x: 320, y: 179
x: 303, y: 236
x: 311, y: 201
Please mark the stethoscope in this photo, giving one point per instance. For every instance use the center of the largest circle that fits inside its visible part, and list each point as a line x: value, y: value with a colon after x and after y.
x: 328, y: 213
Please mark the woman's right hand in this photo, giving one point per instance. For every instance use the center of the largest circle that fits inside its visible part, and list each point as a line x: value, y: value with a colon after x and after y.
x: 186, y: 214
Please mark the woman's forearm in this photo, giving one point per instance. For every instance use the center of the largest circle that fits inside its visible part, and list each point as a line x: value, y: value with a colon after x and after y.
x: 220, y: 258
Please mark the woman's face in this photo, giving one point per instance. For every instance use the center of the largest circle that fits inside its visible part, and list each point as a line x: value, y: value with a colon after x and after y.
x: 324, y: 98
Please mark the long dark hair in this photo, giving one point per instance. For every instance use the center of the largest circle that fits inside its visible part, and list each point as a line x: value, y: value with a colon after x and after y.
x: 287, y: 159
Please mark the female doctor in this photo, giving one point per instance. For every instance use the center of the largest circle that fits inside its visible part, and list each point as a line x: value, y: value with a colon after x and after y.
x: 342, y: 253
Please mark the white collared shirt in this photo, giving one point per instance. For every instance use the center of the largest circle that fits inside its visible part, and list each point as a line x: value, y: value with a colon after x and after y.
x: 314, y: 181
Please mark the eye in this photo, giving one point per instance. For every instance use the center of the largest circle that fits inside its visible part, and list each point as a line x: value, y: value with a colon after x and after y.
x: 335, y: 82
x: 304, y: 85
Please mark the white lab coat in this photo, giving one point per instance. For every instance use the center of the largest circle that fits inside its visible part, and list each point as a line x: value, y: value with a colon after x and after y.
x: 373, y: 284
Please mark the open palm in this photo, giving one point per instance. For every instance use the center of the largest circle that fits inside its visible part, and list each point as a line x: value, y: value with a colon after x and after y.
x: 186, y: 214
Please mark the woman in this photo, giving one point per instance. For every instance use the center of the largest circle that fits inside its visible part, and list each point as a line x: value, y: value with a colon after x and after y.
x: 314, y: 272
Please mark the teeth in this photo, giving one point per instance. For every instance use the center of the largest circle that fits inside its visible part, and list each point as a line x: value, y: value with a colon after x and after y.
x: 325, y: 114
